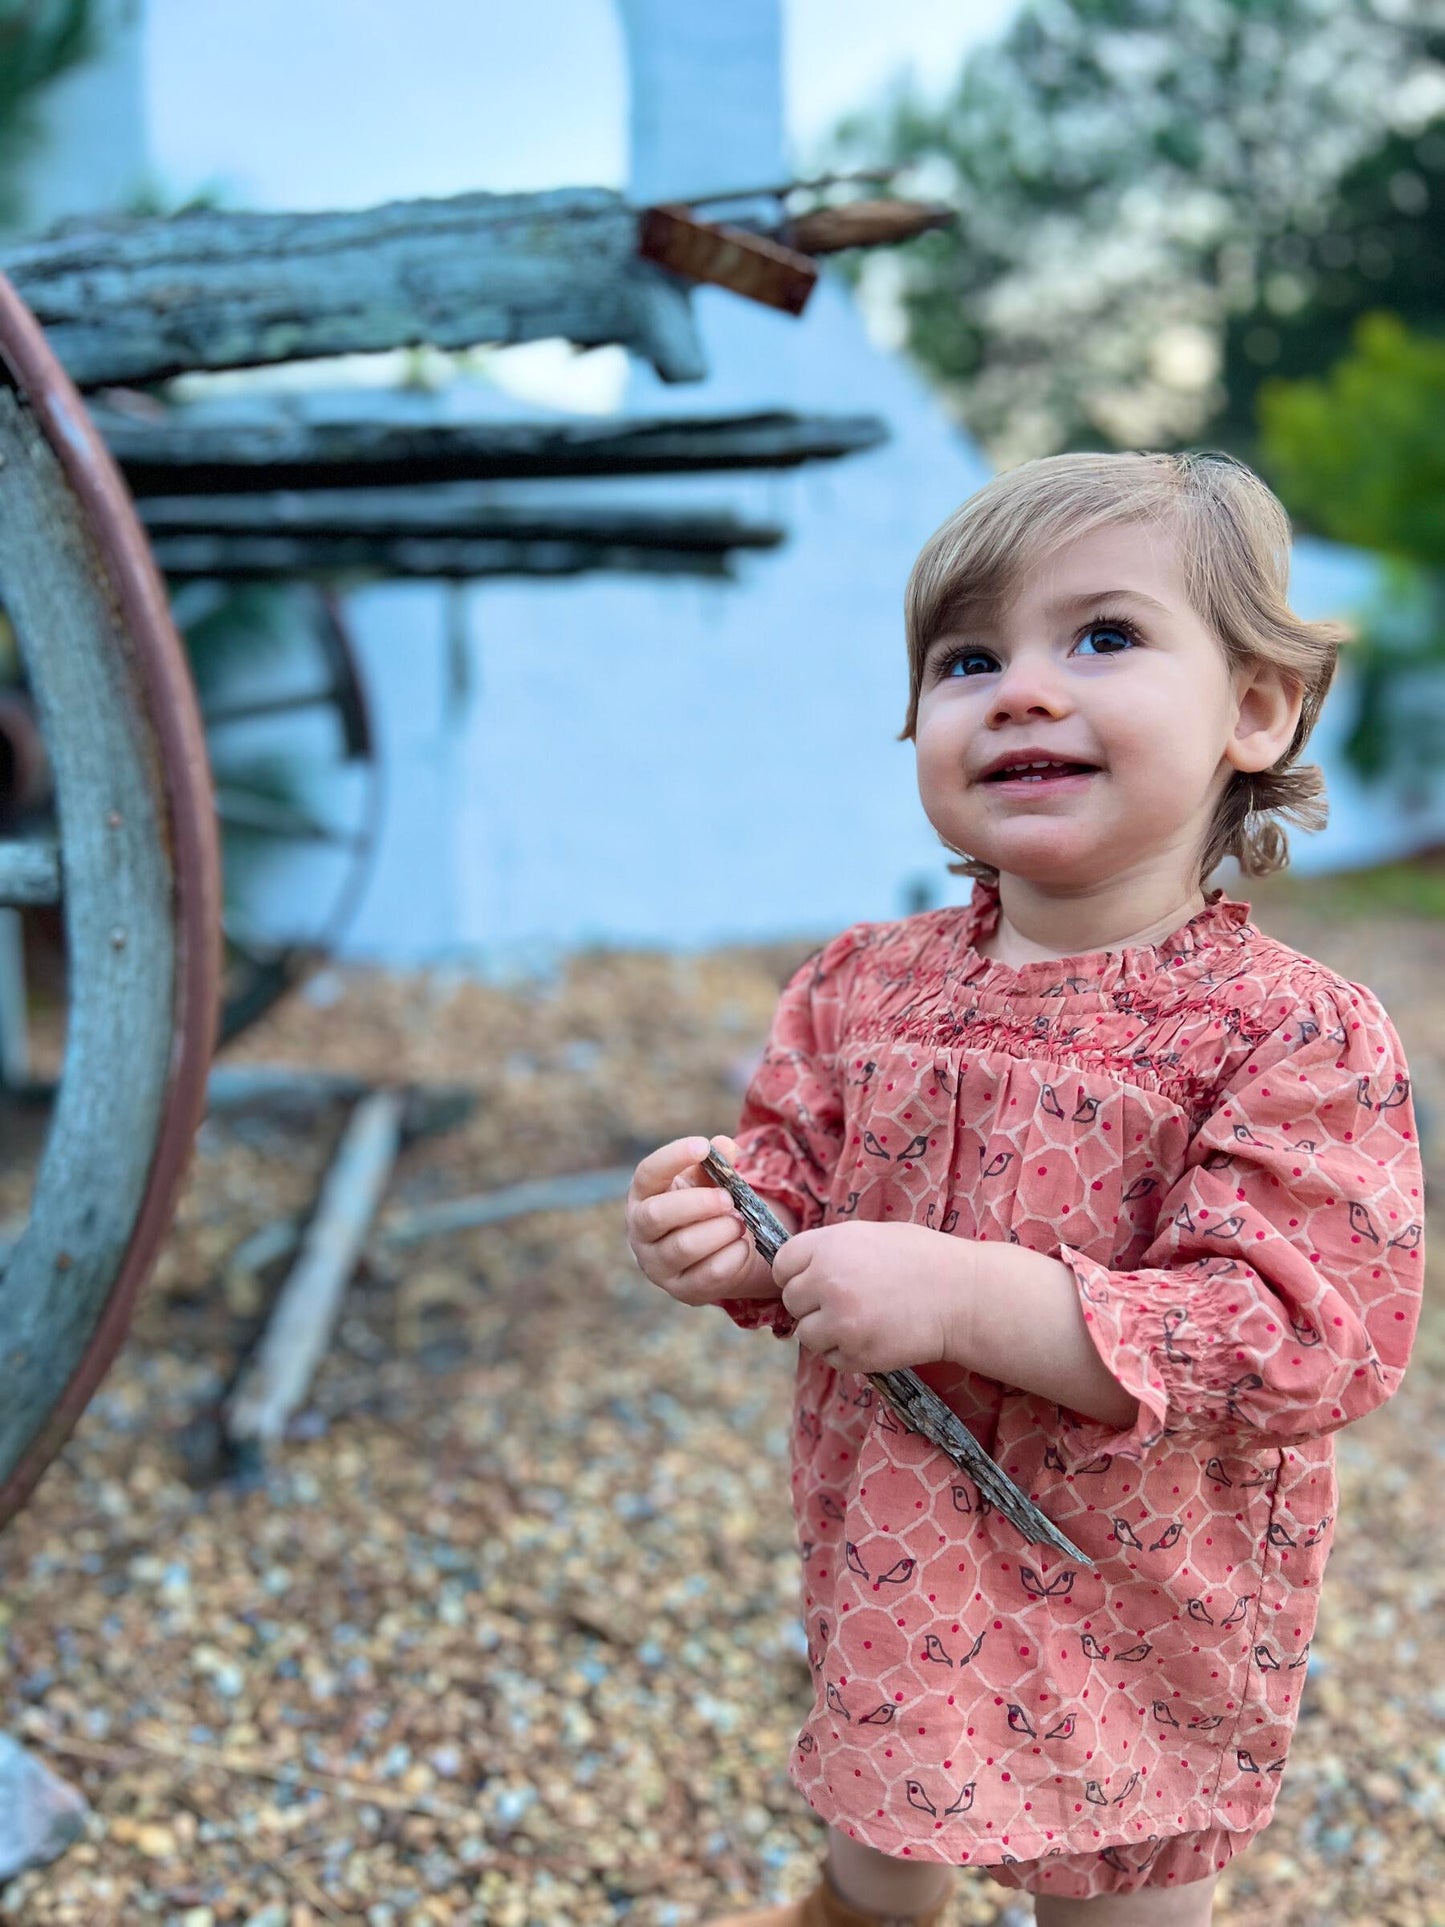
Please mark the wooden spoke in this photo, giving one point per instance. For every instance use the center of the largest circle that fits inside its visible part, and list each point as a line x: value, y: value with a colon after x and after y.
x: 29, y: 872
x: 261, y: 706
x: 268, y: 816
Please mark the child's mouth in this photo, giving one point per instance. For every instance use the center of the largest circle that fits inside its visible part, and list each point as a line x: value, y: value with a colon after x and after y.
x: 1052, y: 776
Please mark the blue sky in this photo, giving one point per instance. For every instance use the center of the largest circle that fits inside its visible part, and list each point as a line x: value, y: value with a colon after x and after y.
x: 345, y: 103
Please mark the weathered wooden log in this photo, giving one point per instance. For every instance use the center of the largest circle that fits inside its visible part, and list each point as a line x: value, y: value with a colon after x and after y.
x: 140, y: 300
x: 426, y: 1108
x: 233, y: 1087
x: 182, y: 455
x: 275, y: 1380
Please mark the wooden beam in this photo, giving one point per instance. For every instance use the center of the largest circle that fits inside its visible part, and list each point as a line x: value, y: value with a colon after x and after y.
x: 185, y: 455
x: 454, y: 530
x: 453, y: 509
x: 427, y: 558
x: 140, y: 300
x: 460, y: 509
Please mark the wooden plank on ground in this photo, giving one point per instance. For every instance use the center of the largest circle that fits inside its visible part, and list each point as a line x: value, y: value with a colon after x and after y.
x: 274, y: 1382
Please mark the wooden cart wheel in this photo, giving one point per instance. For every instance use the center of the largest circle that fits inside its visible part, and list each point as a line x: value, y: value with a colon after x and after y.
x: 295, y: 773
x: 137, y: 866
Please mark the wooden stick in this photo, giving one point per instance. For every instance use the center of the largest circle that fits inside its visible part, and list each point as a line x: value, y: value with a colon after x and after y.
x: 427, y: 1108
x: 275, y: 1380
x: 921, y: 1410
x: 572, y: 1193
x: 200, y: 1759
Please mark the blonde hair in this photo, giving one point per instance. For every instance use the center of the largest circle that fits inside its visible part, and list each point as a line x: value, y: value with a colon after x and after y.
x: 1233, y: 542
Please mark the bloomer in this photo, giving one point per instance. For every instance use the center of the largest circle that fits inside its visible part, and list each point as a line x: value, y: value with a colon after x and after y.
x: 1175, y: 1862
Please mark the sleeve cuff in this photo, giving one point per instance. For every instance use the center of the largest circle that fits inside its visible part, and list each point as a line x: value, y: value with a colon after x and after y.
x: 759, y: 1314
x: 1116, y: 1324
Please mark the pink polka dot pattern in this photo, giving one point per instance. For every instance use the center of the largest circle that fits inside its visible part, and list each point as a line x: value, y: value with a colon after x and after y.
x: 1215, y: 1135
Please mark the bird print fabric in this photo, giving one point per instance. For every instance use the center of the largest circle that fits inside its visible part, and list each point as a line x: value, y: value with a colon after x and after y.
x: 1215, y: 1135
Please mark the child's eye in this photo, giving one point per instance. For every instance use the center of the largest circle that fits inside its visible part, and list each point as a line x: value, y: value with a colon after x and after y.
x: 958, y: 662
x: 1117, y: 632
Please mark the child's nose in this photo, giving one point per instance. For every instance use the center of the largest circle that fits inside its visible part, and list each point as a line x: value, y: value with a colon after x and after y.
x: 1027, y: 687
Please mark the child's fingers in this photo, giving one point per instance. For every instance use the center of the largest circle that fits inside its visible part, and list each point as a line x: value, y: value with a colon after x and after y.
x: 658, y: 1169
x: 653, y: 1218
x: 794, y: 1257
x: 694, y: 1243
x: 712, y: 1277
x: 800, y: 1295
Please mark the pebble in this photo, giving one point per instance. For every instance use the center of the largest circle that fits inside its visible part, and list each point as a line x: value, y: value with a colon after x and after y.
x: 533, y: 1567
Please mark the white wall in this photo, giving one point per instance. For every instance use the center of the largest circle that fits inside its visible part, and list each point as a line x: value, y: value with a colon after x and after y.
x: 619, y: 725
x: 91, y: 150
x: 562, y: 758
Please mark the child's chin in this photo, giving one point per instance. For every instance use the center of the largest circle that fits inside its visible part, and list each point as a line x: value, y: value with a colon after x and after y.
x: 1044, y: 852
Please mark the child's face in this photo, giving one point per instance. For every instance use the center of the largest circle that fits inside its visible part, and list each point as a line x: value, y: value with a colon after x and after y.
x: 1098, y: 659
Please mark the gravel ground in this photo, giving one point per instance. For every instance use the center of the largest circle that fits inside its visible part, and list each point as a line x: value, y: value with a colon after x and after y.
x: 506, y: 1631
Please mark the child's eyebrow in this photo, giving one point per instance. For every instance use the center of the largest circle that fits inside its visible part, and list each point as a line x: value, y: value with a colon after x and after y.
x: 1092, y: 597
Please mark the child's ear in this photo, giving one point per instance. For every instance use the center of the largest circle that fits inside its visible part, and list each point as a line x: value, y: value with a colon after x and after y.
x: 1268, y: 711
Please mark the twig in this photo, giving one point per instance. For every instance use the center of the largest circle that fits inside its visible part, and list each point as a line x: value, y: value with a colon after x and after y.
x: 201, y: 1759
x: 246, y: 1766
x: 921, y: 1410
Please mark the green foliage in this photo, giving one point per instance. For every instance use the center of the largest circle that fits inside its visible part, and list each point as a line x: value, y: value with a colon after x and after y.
x: 1121, y: 169
x: 1360, y: 456
x: 1376, y: 242
x: 1412, y: 889
x: 39, y: 41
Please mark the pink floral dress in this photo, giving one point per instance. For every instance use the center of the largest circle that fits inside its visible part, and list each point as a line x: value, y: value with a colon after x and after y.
x: 1215, y: 1135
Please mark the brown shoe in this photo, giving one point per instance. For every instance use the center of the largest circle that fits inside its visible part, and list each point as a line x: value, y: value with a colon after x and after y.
x: 823, y: 1907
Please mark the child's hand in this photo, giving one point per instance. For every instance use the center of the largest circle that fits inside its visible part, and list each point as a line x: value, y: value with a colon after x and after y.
x: 878, y: 1297
x: 684, y: 1231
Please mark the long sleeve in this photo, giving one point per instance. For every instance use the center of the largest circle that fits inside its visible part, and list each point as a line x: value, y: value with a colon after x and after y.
x: 791, y: 1129
x: 1279, y: 1297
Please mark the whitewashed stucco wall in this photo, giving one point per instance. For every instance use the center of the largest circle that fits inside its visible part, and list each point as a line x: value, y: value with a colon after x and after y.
x: 562, y: 758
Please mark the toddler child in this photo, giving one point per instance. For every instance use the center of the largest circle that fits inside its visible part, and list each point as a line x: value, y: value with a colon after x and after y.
x: 1136, y: 1189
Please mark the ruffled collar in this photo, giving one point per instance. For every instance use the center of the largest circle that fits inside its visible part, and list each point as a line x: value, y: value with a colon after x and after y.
x: 1221, y: 926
